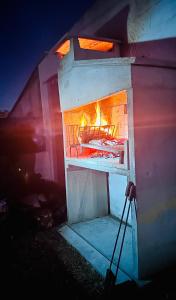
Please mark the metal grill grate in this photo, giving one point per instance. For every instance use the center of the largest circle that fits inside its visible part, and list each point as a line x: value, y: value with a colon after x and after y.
x: 88, y: 133
x: 75, y: 134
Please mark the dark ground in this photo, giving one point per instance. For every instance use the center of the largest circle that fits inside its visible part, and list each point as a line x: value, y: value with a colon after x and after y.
x: 40, y: 262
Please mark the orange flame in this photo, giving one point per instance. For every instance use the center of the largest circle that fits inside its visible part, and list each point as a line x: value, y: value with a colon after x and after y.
x: 83, y: 121
x: 99, y: 121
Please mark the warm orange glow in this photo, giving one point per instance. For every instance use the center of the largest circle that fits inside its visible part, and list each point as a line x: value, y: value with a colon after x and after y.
x: 64, y: 48
x: 97, y: 129
x: 83, y: 121
x: 100, y: 121
x: 95, y: 45
x: 85, y: 43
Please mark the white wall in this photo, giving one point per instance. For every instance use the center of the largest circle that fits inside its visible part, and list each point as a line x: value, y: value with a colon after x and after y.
x: 117, y: 187
x: 151, y: 20
x: 87, y: 194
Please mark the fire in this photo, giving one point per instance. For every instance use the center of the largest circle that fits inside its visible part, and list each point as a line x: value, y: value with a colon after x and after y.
x: 100, y: 121
x: 83, y: 121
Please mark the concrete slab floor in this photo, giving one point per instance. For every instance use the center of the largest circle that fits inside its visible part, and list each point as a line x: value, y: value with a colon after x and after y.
x: 95, y: 239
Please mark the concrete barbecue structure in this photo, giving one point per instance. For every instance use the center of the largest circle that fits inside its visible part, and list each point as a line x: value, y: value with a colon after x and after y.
x: 111, y: 79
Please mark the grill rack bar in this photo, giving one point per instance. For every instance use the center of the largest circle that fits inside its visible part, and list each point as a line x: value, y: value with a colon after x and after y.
x: 75, y: 134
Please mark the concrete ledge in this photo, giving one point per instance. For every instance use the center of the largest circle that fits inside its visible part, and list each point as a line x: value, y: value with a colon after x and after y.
x: 96, y: 259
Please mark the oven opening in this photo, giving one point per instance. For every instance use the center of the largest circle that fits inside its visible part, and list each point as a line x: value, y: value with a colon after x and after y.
x: 98, y: 131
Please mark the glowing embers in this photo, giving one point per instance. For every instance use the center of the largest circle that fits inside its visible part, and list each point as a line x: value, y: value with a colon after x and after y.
x: 64, y: 48
x: 96, y: 45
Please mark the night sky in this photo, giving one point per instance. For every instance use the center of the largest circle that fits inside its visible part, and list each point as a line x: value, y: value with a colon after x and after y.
x: 27, y: 30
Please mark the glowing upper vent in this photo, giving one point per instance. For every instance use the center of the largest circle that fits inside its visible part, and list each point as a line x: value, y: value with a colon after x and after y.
x: 64, y: 48
x: 86, y: 43
x: 97, y: 45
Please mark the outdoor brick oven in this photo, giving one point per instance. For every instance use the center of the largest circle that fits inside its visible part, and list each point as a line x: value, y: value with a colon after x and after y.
x: 109, y: 120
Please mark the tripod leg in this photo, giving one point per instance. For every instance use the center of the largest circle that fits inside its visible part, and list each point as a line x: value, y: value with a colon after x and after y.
x: 110, y: 278
x: 123, y: 238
